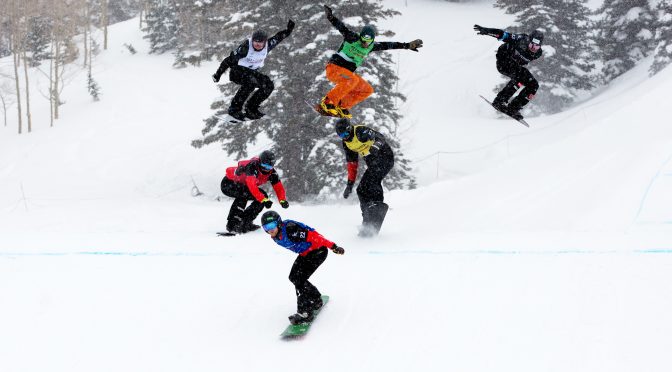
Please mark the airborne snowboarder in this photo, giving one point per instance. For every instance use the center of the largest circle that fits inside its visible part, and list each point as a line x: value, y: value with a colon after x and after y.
x: 312, y: 249
x: 245, y: 63
x: 517, y: 51
x: 242, y: 183
x: 350, y: 88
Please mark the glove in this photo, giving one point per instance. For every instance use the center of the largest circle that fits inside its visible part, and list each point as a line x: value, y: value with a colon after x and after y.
x: 215, y: 78
x: 284, y: 204
x: 290, y: 25
x: 415, y: 44
x: 480, y: 30
x: 336, y: 249
x: 348, y: 189
x: 327, y: 11
x: 266, y: 202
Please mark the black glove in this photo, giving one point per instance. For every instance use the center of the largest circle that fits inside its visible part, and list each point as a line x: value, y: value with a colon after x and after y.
x: 415, y: 44
x: 336, y: 249
x: 284, y: 204
x: 348, y: 189
x: 267, y: 203
x: 480, y: 30
x: 290, y: 25
x: 215, y: 78
x: 328, y: 12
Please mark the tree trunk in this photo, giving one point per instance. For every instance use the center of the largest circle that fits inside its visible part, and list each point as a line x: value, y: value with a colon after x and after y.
x: 25, y: 71
x: 4, y: 108
x: 51, y: 86
x: 104, y: 23
x: 15, y: 58
x: 57, y: 57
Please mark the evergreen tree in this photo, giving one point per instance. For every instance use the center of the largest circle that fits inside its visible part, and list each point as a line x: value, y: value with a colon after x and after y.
x: 311, y: 156
x: 625, y: 35
x: 563, y: 71
x: 38, y: 40
x: 663, y: 40
x: 161, y: 26
x: 92, y: 86
x: 200, y: 28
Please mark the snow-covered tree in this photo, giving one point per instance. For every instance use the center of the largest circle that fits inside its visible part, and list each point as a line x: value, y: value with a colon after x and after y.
x: 625, y: 35
x: 312, y: 160
x: 563, y: 71
x: 161, y: 26
x: 663, y: 40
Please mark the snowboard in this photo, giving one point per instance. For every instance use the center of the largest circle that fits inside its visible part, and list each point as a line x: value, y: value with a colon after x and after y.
x: 231, y: 120
x: 521, y: 121
x: 294, y: 331
x: 226, y: 233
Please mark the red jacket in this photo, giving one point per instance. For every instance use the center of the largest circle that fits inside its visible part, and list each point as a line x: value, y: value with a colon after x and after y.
x: 250, y: 173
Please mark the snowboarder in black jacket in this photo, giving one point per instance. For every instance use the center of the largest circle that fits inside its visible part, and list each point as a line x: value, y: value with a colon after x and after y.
x: 517, y: 51
x: 245, y: 62
x: 361, y: 140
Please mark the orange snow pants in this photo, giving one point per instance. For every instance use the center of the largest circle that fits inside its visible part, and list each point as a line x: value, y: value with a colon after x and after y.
x: 350, y: 88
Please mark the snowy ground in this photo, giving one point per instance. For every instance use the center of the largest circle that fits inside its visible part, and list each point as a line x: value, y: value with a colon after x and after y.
x: 542, y: 249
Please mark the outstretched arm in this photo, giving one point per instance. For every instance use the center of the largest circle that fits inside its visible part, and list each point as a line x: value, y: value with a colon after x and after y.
x: 348, y: 34
x: 386, y: 45
x: 274, y: 40
x: 501, y: 35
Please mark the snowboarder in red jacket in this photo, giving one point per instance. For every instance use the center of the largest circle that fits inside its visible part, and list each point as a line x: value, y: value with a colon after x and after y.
x: 242, y: 183
x: 312, y: 249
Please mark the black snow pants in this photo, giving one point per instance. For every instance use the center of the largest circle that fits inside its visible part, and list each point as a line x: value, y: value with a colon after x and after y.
x: 249, y: 80
x: 307, y: 295
x: 238, y: 214
x: 519, y: 75
x: 370, y: 187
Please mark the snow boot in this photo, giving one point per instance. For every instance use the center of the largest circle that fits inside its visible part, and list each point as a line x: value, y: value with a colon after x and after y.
x: 513, y: 109
x: 253, y: 113
x: 238, y: 115
x: 343, y: 112
x: 373, y: 215
x: 327, y: 109
x: 300, y: 318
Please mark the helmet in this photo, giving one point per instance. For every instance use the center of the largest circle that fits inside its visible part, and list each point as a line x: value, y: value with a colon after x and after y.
x: 270, y: 220
x: 267, y: 159
x: 537, y: 37
x: 259, y: 35
x: 343, y: 127
x: 368, y: 33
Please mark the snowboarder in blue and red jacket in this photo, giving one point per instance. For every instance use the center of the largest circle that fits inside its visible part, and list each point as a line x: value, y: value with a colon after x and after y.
x: 517, y: 51
x: 312, y: 249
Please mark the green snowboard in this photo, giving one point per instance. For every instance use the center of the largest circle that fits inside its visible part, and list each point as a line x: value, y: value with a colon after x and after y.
x: 297, y: 330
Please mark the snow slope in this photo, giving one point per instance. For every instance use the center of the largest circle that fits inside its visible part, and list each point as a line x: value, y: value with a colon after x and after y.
x: 541, y: 249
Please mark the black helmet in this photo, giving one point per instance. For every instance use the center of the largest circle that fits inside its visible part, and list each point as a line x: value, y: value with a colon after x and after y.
x: 537, y: 37
x: 343, y: 127
x: 368, y: 32
x: 259, y: 35
x: 270, y: 220
x: 267, y: 159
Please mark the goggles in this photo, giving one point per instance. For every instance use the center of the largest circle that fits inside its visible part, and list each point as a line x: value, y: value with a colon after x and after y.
x: 266, y: 166
x: 270, y: 226
x: 344, y: 134
x: 366, y: 38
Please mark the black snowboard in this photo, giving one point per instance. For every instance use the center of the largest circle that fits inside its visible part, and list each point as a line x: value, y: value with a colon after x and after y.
x: 521, y: 121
